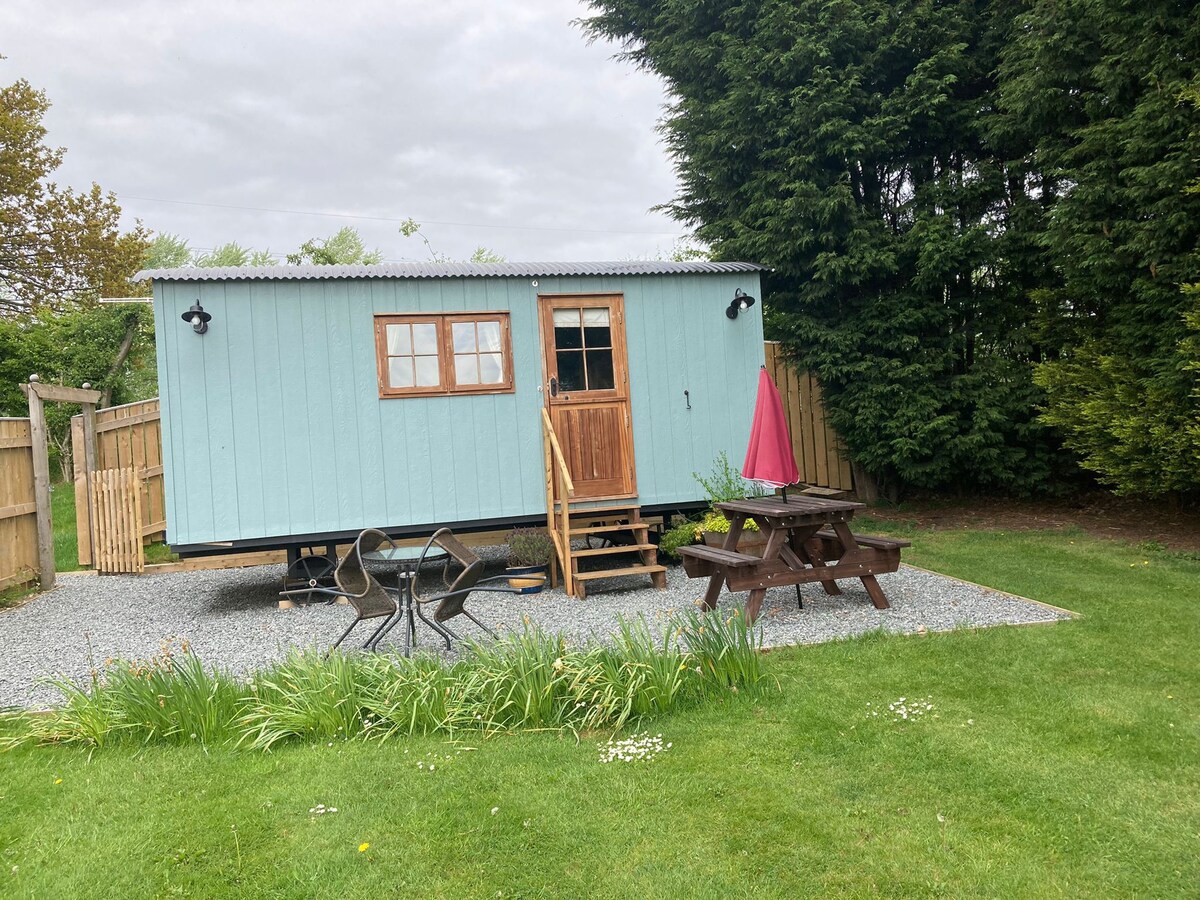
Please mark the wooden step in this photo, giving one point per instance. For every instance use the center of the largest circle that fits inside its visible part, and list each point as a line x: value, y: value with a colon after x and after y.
x: 600, y: 510
x: 617, y: 548
x: 617, y: 573
x: 601, y: 529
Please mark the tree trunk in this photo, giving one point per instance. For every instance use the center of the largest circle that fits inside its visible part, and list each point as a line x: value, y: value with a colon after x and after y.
x: 122, y: 355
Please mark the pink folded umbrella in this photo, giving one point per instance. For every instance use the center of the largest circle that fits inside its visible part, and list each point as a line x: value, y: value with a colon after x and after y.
x: 769, y: 458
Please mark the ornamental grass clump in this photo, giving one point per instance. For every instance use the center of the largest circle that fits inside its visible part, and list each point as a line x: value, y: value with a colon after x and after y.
x: 531, y: 680
x: 724, y: 648
x: 169, y: 698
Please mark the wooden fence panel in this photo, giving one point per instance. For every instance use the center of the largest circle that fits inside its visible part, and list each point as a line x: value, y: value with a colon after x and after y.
x: 820, y: 452
x: 128, y: 436
x: 18, y: 511
x: 117, y: 501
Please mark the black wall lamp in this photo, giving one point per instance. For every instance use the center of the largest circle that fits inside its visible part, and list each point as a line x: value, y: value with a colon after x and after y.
x: 741, y: 300
x: 199, y: 319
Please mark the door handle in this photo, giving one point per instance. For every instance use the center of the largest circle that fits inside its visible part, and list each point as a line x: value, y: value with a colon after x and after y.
x: 553, y: 386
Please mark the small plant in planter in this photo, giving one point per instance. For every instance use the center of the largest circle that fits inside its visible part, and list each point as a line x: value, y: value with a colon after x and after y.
x: 725, y: 483
x: 529, y: 551
x: 714, y: 527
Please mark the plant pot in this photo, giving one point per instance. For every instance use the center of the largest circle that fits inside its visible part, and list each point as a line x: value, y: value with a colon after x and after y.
x: 752, y: 543
x: 527, y: 585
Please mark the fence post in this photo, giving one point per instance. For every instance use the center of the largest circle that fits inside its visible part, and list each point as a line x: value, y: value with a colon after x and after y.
x: 89, y: 468
x: 41, y: 483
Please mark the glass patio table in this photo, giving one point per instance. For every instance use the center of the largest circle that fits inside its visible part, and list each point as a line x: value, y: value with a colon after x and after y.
x: 405, y: 561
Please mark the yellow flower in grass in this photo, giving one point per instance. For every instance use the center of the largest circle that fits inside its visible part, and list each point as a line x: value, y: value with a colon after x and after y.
x: 364, y: 847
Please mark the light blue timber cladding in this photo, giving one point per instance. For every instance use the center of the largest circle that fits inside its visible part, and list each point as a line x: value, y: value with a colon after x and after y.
x: 273, y: 426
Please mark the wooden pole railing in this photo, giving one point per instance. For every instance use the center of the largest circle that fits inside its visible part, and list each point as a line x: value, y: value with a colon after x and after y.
x: 559, y: 490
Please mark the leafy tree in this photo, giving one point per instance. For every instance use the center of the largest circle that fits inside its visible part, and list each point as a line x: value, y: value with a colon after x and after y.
x: 410, y: 227
x: 1101, y: 87
x: 344, y: 248
x: 974, y: 211
x: 234, y: 254
x: 56, y: 245
x: 485, y: 255
x: 110, y: 347
x: 845, y: 145
x: 167, y: 251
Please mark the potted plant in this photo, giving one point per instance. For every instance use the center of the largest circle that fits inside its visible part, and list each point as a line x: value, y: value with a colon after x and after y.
x: 714, y: 528
x: 725, y: 483
x: 529, y: 552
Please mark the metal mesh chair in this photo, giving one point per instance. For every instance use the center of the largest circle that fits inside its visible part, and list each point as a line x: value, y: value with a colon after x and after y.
x: 451, y: 602
x: 370, y: 599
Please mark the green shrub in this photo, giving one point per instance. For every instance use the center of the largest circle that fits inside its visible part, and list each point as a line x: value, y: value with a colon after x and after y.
x: 680, y: 535
x: 726, y: 483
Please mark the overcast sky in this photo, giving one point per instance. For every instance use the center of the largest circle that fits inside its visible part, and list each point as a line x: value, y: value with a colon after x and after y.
x: 459, y: 113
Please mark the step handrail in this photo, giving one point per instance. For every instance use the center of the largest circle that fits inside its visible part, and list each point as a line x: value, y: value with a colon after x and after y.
x: 552, y: 436
x: 559, y: 489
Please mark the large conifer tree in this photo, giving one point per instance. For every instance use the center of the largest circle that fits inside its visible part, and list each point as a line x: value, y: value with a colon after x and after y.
x: 861, y: 148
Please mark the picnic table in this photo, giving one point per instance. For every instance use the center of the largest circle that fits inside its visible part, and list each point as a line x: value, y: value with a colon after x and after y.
x: 807, y: 539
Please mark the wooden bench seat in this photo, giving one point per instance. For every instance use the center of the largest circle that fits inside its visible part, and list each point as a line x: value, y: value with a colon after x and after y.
x: 727, y: 558
x: 866, y: 540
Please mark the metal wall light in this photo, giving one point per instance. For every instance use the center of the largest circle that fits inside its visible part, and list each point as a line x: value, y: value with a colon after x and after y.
x: 741, y: 300
x: 199, y: 319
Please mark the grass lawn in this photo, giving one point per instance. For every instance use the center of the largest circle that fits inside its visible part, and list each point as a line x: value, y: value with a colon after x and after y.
x: 1064, y: 761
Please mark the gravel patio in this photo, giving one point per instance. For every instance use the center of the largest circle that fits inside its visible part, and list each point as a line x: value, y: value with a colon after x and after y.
x: 231, y: 618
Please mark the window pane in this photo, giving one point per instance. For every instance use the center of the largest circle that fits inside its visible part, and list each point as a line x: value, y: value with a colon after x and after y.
x: 570, y: 370
x: 566, y: 318
x: 399, y: 341
x: 567, y: 333
x: 491, y: 368
x: 568, y: 338
x: 425, y: 338
x: 595, y: 317
x: 463, y: 334
x: 400, y: 371
x: 466, y: 369
x: 427, y: 369
x: 489, y: 336
x: 600, y: 370
x: 597, y: 337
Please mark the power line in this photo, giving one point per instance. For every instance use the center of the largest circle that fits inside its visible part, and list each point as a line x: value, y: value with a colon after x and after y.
x: 304, y: 212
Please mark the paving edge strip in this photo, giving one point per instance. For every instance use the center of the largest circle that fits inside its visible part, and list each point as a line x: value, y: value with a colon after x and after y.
x: 1070, y: 613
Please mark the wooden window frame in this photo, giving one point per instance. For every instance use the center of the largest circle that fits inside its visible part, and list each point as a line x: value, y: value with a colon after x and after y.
x: 447, y: 387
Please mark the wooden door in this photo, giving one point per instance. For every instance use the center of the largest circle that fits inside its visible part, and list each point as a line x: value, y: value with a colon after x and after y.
x: 587, y: 390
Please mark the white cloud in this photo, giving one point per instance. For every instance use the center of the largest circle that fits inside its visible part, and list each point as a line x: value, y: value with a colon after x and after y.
x: 492, y: 113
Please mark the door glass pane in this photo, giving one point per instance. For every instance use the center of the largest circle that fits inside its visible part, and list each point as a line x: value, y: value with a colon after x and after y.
x: 425, y: 338
x: 400, y: 370
x: 463, y: 334
x: 596, y: 330
x: 399, y: 341
x: 600, y: 370
x: 570, y: 370
x: 489, y: 337
x: 597, y: 337
x: 595, y: 318
x: 567, y: 333
x: 466, y: 369
x: 566, y: 318
x: 427, y: 368
x: 491, y: 368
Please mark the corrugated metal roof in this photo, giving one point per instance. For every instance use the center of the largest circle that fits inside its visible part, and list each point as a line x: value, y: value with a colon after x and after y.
x: 447, y: 270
